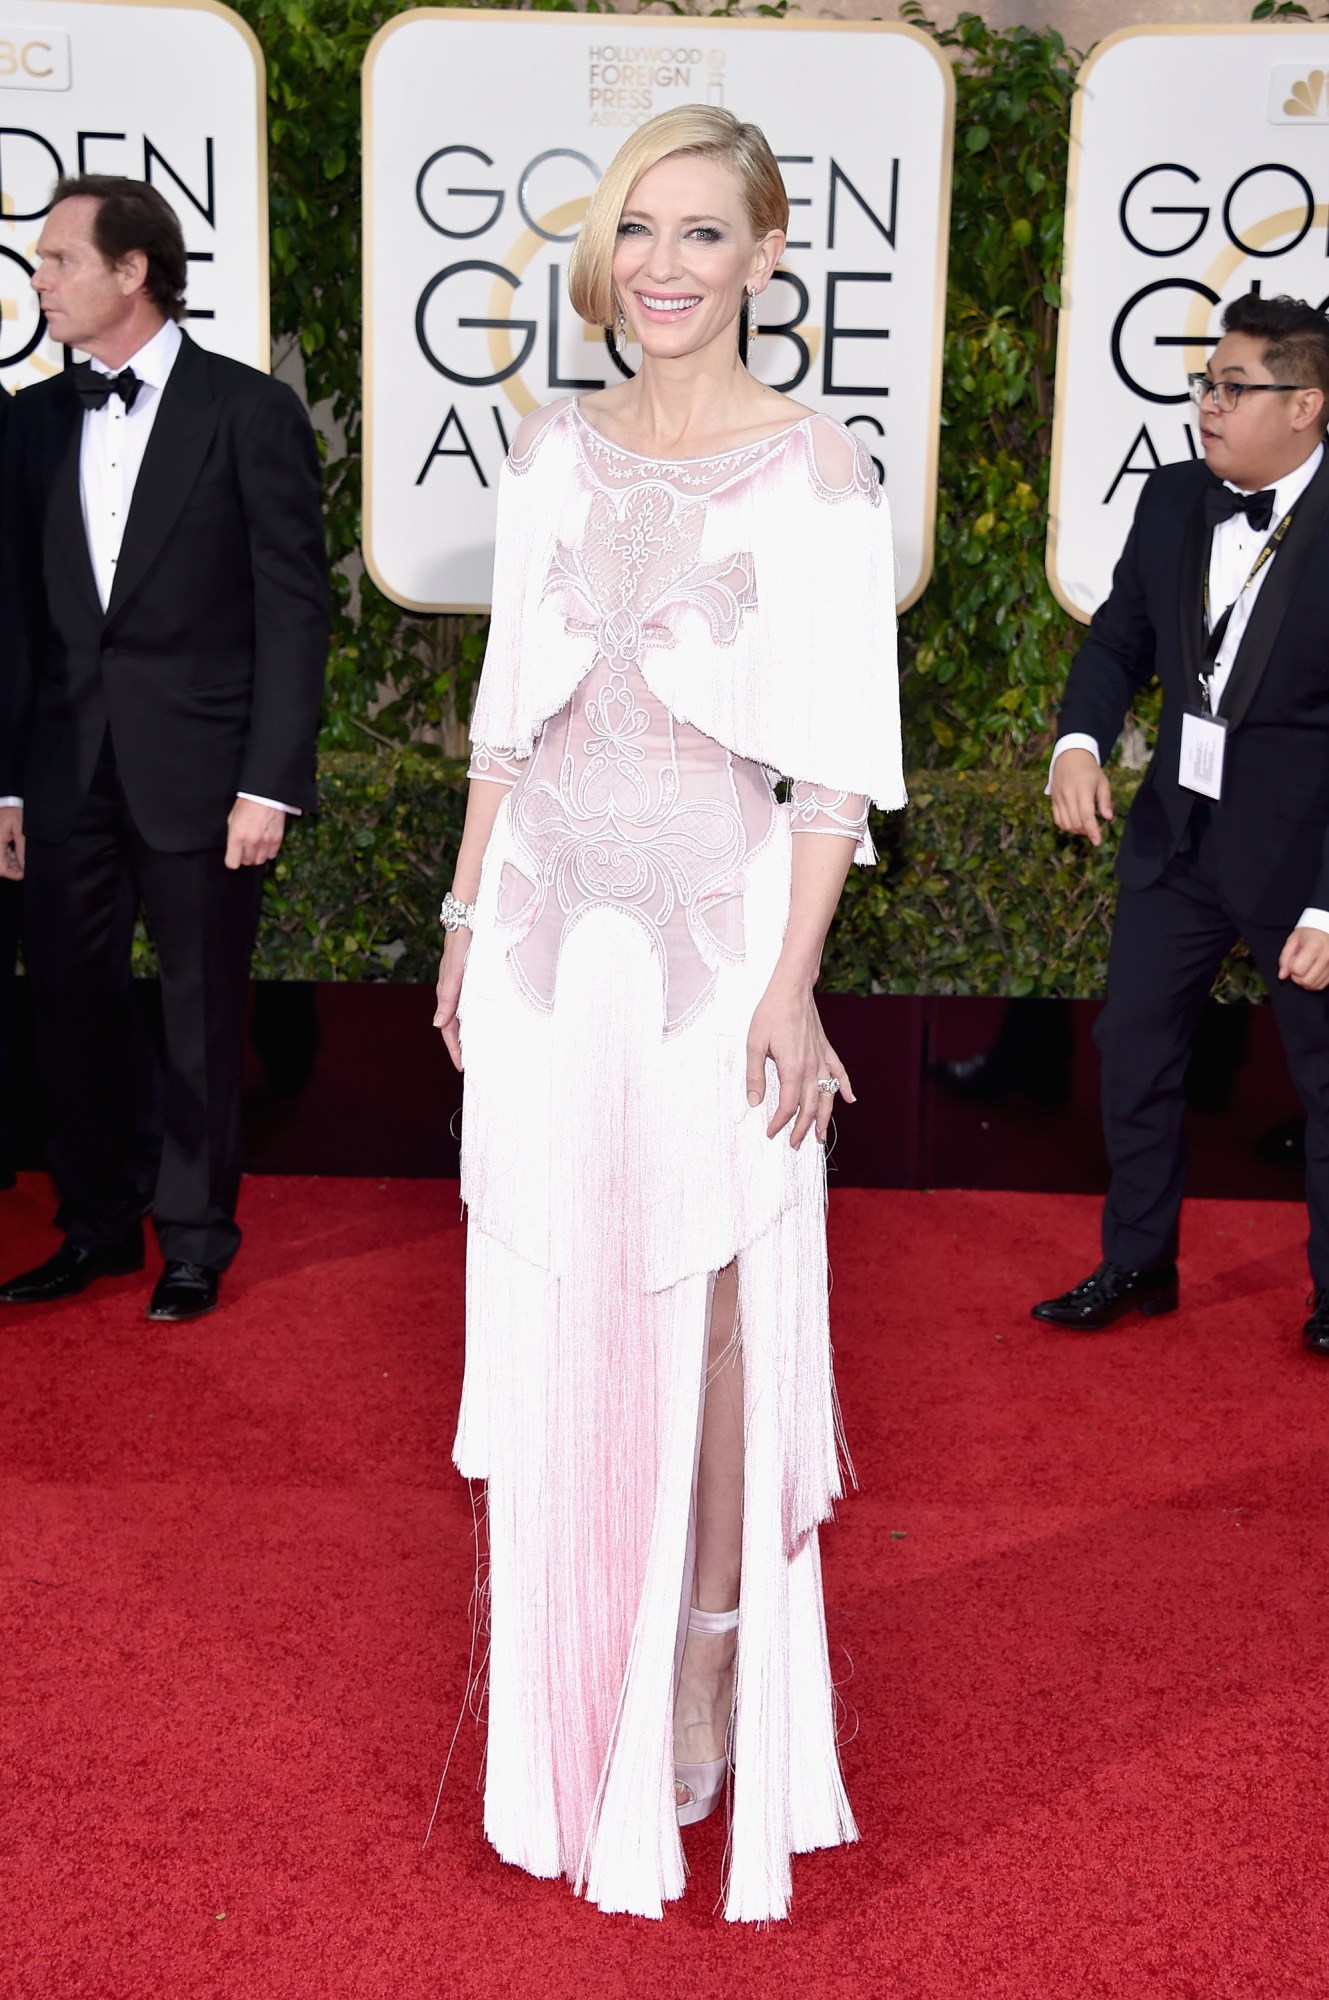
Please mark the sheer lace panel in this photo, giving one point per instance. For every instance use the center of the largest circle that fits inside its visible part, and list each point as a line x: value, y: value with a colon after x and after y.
x: 622, y: 806
x: 640, y: 559
x: 615, y: 467
x: 820, y: 809
x: 527, y: 436
x: 496, y: 767
x: 841, y: 463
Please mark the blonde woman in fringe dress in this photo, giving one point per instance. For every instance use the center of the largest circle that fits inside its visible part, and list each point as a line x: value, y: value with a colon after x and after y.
x: 692, y: 591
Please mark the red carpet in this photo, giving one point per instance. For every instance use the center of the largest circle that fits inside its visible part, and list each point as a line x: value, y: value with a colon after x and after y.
x: 1083, y: 1593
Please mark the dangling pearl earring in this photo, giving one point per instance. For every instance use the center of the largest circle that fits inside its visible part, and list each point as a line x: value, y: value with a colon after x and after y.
x: 753, y: 328
x: 620, y: 331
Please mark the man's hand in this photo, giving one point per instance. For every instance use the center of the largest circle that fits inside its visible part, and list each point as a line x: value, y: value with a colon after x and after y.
x: 1081, y: 794
x: 12, y: 845
x: 253, y: 833
x: 1304, y: 959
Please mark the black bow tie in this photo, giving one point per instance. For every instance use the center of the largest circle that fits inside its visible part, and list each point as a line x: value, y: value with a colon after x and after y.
x: 1221, y: 503
x: 95, y: 390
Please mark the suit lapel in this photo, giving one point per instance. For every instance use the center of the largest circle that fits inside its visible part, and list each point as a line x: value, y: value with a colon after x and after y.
x: 1194, y: 552
x: 1308, y: 521
x: 67, y: 539
x: 181, y: 433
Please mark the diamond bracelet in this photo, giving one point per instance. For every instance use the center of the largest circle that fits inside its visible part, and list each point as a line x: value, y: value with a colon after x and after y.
x: 454, y: 915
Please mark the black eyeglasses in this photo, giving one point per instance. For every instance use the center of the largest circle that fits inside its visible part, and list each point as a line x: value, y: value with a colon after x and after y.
x: 1227, y: 395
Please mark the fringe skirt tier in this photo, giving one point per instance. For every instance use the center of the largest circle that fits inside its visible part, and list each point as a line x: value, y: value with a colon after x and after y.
x: 610, y: 1172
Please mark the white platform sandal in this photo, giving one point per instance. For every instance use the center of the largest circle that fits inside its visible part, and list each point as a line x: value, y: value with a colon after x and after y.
x: 704, y: 1783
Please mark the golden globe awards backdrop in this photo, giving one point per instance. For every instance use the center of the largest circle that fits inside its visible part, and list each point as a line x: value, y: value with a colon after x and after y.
x: 485, y: 134
x: 1199, y: 171
x: 169, y: 91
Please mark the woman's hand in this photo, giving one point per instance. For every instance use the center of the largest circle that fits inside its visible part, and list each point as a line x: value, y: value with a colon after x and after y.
x: 450, y: 969
x: 787, y: 1028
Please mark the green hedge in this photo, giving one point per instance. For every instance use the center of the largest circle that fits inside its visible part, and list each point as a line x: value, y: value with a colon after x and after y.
x: 976, y: 892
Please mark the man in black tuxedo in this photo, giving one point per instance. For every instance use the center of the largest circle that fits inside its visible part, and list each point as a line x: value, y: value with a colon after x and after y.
x: 165, y: 619
x: 1222, y: 591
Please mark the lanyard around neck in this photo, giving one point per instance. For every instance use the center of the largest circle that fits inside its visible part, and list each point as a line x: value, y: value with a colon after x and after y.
x: 1214, y: 639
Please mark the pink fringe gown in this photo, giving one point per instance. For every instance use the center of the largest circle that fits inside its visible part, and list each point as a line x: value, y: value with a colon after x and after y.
x: 666, y: 634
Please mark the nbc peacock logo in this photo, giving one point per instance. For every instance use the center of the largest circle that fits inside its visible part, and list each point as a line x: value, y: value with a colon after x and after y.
x: 1298, y: 96
x: 1308, y: 96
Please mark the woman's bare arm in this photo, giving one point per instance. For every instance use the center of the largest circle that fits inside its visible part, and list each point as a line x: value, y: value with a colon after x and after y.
x: 483, y: 800
x: 786, y: 1026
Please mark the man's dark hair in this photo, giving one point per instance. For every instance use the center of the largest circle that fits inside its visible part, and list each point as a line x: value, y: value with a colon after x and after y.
x: 131, y: 215
x: 1295, y: 336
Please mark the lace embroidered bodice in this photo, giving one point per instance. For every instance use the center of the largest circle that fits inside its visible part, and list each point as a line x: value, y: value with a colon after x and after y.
x: 621, y: 804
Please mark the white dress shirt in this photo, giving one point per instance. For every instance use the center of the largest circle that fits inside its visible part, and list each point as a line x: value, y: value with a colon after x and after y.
x: 110, y: 457
x: 111, y: 452
x: 1233, y: 550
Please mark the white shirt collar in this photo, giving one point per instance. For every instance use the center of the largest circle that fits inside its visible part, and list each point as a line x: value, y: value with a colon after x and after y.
x: 154, y: 360
x: 1291, y: 486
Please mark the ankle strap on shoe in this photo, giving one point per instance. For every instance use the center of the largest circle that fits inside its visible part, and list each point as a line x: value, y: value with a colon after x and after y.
x: 712, y: 1621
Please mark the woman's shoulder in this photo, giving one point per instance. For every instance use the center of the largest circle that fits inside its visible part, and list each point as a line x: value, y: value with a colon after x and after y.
x: 839, y: 462
x: 534, y: 428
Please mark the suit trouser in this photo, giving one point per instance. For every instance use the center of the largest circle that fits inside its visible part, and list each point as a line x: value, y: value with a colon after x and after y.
x: 80, y: 899
x: 9, y: 908
x: 1168, y: 942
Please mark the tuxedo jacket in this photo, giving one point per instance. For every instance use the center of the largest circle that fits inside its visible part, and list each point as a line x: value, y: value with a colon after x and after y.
x: 1271, y: 826
x: 207, y: 663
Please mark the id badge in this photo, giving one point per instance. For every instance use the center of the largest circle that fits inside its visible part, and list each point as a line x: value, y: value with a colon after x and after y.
x: 1203, y: 740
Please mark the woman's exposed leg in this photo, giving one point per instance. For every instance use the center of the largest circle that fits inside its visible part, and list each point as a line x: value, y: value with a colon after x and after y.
x: 706, y: 1680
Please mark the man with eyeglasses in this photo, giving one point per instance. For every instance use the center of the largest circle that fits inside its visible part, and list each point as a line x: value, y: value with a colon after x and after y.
x: 1222, y: 593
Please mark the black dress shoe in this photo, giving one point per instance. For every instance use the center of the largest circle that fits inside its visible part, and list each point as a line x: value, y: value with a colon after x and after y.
x: 184, y: 1291
x: 1315, y: 1333
x: 71, y: 1270
x: 1109, y: 1292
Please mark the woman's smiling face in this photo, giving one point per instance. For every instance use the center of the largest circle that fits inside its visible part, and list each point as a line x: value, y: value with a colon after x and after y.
x: 686, y: 255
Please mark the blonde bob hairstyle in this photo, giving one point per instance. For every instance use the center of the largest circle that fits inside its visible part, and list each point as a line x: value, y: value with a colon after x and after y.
x: 699, y: 129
